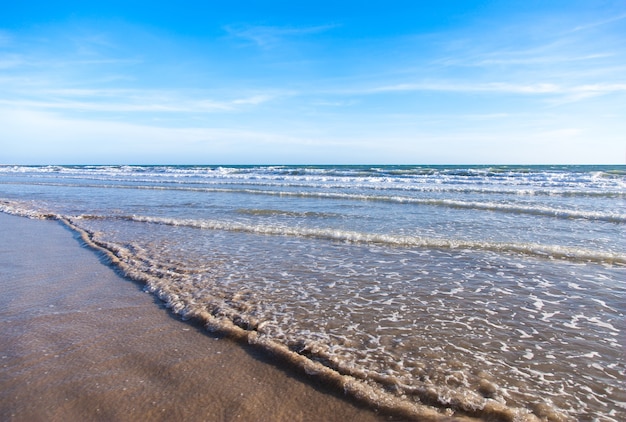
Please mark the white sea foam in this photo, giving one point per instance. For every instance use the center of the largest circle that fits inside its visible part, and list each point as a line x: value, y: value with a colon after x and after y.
x: 547, y: 315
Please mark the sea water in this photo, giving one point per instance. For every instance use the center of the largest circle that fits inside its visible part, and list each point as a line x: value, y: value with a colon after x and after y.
x: 485, y: 291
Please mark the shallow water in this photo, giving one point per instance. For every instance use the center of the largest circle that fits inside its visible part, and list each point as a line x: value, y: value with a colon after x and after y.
x: 80, y: 343
x: 457, y: 290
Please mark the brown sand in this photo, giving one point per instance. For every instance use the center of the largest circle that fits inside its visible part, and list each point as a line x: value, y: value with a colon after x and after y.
x: 80, y: 342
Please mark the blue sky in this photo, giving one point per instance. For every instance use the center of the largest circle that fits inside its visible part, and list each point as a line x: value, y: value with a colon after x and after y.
x: 271, y: 82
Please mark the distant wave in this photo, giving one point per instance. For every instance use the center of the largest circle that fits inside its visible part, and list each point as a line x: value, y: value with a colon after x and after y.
x: 367, y: 183
x: 472, y: 171
x: 449, y: 203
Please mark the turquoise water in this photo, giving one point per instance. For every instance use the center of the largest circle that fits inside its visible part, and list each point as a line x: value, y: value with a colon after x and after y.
x: 471, y: 290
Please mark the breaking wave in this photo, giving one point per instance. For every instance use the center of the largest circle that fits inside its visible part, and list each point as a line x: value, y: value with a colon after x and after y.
x: 503, y: 207
x: 536, y: 250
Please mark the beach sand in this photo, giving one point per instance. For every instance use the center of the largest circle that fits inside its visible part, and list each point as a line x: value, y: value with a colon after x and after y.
x: 81, y: 342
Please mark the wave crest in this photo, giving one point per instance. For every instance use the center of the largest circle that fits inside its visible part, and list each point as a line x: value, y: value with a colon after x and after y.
x: 532, y: 249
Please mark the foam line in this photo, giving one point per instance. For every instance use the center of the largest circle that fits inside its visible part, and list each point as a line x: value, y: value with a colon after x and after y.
x: 532, y: 249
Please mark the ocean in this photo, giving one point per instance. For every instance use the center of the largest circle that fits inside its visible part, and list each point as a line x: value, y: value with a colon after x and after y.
x: 495, y: 292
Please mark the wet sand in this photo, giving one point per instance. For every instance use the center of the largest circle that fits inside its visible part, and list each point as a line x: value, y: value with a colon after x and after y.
x: 80, y: 342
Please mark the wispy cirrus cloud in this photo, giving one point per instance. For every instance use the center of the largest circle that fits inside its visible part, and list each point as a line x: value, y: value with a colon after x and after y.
x: 21, y: 62
x: 504, y: 87
x: 599, y: 23
x: 270, y: 36
x: 544, y: 58
x: 544, y: 93
x: 447, y: 86
x: 535, y: 61
x: 97, y: 82
x: 522, y: 58
x: 133, y: 101
x: 552, y: 56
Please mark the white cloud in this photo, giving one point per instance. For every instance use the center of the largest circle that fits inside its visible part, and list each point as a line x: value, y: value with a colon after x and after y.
x: 101, y: 100
x: 564, y: 93
x: 253, y: 100
x: 270, y: 36
x: 498, y: 87
x: 501, y: 59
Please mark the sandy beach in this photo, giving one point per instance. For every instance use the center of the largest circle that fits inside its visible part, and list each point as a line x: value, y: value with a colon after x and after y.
x: 80, y: 342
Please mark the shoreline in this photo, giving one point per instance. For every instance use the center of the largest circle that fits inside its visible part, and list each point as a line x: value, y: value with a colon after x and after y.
x: 82, y: 342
